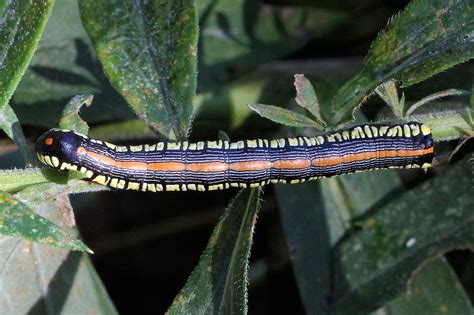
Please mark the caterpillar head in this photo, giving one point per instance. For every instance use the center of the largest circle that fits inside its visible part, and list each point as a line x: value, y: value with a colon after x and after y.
x: 57, y: 146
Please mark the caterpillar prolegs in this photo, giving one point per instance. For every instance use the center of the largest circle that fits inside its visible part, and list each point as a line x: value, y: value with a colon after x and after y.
x: 213, y: 165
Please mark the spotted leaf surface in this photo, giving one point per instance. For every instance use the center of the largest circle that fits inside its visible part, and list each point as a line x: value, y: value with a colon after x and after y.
x: 149, y: 52
x: 21, y: 26
x: 18, y: 220
x: 426, y: 38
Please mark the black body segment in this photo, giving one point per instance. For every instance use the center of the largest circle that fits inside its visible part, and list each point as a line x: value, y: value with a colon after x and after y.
x: 212, y: 165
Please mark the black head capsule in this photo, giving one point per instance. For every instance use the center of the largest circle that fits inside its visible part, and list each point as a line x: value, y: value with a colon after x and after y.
x: 56, y: 147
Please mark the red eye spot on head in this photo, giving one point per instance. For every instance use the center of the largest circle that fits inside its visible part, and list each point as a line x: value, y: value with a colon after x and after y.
x: 48, y: 141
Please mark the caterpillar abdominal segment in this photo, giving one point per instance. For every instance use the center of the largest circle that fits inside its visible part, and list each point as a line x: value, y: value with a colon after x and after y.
x: 213, y: 165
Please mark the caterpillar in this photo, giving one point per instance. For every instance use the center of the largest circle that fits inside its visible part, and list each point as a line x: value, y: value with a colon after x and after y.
x: 215, y: 165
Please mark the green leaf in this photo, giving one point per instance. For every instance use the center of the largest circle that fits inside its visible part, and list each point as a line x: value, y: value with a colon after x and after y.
x: 447, y: 124
x: 17, y: 220
x: 433, y: 289
x: 284, y: 116
x: 316, y: 215
x: 18, y: 179
x: 70, y: 118
x: 426, y: 38
x: 374, y: 264
x: 58, y: 281
x: 21, y: 26
x: 37, y: 195
x: 238, y: 36
x: 10, y: 124
x: 132, y: 129
x: 226, y: 108
x: 149, y: 52
x: 307, y: 232
x: 219, y: 282
x: 346, y: 198
x: 63, y: 66
x: 434, y: 96
x: 389, y: 93
x: 306, y: 96
x: 15, y: 180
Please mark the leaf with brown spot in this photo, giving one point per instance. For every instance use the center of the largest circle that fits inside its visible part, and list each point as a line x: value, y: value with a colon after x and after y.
x: 144, y: 47
x: 306, y: 97
x: 284, y: 116
x: 18, y: 220
x: 426, y: 38
x: 65, y: 208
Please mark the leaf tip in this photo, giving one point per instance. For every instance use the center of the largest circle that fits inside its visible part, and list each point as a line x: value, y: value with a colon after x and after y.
x: 253, y: 107
x: 299, y: 79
